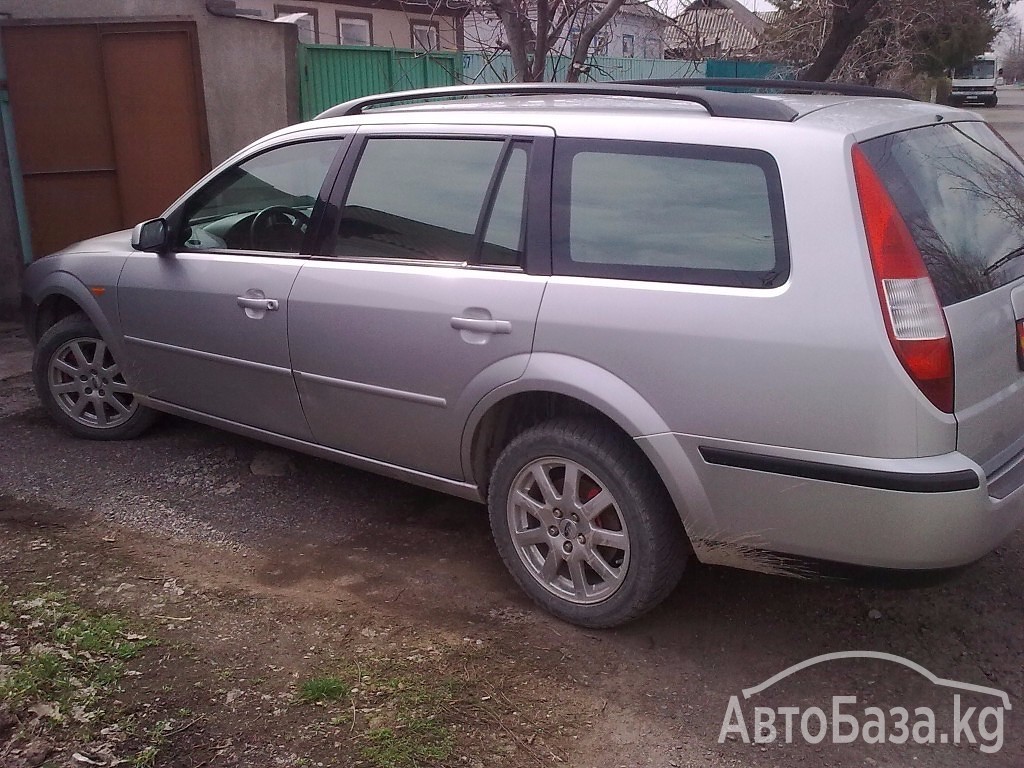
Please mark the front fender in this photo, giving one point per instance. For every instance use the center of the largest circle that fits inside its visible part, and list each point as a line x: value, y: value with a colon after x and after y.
x: 101, y: 310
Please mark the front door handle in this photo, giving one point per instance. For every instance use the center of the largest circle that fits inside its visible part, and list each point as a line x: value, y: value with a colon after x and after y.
x: 247, y: 302
x: 481, y: 326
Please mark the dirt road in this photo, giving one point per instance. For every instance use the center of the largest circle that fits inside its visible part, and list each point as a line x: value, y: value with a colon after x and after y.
x: 258, y: 574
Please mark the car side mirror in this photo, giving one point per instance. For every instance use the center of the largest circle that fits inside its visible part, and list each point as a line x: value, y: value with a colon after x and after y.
x: 150, y: 236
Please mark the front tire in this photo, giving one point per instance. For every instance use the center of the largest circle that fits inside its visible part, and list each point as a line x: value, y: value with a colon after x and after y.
x: 583, y: 523
x: 82, y: 386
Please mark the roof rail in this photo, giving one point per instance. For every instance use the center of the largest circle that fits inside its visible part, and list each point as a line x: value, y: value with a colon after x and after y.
x: 788, y: 86
x: 717, y: 103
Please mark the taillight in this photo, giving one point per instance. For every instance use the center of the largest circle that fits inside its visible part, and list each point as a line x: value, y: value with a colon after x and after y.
x: 910, y: 307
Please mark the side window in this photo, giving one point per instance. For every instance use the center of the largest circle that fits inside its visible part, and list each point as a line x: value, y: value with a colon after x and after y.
x: 454, y: 200
x: 262, y: 204
x: 678, y: 213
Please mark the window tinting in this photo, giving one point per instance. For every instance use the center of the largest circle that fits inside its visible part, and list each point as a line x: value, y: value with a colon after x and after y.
x: 671, y: 212
x: 416, y: 198
x: 961, y: 192
x: 263, y: 204
x: 503, y: 240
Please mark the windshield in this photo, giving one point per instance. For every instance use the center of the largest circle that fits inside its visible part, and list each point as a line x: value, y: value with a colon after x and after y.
x: 981, y: 69
x: 961, y: 191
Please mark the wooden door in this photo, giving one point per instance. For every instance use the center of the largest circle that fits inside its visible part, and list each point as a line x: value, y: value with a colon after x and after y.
x: 109, y: 122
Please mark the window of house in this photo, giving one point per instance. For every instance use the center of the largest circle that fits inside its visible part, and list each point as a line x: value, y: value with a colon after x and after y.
x: 262, y: 204
x: 679, y: 213
x: 355, y: 29
x: 309, y: 25
x: 627, y: 46
x: 454, y: 200
x: 425, y: 35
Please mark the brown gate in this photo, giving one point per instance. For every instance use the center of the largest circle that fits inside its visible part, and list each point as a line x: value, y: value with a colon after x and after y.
x: 109, y: 121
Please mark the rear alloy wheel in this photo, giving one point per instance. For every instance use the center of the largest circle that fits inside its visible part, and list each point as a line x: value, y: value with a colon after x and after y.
x: 82, y: 386
x: 584, y: 524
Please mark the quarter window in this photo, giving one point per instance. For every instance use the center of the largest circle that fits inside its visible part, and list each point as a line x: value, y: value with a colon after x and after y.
x: 453, y: 200
x: 669, y: 212
x: 263, y: 204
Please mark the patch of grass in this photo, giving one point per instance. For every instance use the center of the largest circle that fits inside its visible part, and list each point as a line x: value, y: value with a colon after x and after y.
x: 404, y: 712
x: 67, y: 655
x: 146, y: 758
x: 415, y: 741
x: 157, y: 739
x: 320, y: 690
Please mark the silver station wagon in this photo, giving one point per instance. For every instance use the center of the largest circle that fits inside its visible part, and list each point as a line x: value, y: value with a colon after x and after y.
x: 642, y: 323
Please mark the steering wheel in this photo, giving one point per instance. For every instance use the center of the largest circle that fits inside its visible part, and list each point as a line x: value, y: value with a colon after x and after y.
x: 277, y: 228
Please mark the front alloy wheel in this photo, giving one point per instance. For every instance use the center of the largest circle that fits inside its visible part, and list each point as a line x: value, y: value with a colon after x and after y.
x: 82, y: 386
x: 88, y: 385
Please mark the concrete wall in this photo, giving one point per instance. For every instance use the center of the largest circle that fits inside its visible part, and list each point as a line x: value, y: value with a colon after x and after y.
x: 250, y: 85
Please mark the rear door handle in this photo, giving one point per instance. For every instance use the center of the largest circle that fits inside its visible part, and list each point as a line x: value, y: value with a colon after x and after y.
x: 247, y: 302
x: 481, y: 326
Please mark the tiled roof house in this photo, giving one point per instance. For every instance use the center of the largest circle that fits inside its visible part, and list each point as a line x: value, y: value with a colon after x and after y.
x: 716, y: 29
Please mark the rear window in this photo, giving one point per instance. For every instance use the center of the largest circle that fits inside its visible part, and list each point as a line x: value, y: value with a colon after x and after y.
x: 669, y: 212
x: 961, y: 191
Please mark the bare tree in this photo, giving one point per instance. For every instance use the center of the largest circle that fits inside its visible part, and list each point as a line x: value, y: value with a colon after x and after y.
x: 534, y: 30
x: 882, y: 39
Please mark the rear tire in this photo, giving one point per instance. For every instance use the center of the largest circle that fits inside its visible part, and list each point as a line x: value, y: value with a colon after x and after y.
x: 584, y: 524
x: 81, y: 385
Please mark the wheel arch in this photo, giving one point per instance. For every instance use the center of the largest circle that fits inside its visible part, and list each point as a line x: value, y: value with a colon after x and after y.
x: 65, y: 295
x: 552, y: 386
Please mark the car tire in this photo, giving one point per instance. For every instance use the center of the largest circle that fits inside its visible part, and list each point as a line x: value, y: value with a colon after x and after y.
x: 597, y: 552
x: 81, y: 385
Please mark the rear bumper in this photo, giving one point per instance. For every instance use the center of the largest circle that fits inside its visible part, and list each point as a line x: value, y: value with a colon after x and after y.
x: 741, y: 501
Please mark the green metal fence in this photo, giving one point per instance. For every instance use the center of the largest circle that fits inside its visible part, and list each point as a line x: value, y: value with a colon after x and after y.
x: 330, y: 74
x: 756, y: 70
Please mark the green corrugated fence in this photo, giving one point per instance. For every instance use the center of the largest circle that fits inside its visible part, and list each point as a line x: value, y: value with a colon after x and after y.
x: 755, y: 70
x: 331, y: 74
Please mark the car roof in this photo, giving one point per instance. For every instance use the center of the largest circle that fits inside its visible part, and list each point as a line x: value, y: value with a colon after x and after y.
x: 599, y: 109
x: 834, y: 113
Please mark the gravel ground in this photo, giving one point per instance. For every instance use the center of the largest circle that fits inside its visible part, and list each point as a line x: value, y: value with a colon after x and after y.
x: 287, y: 529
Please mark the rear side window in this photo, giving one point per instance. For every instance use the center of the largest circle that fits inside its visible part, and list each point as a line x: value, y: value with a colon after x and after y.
x: 960, y: 189
x: 669, y: 212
